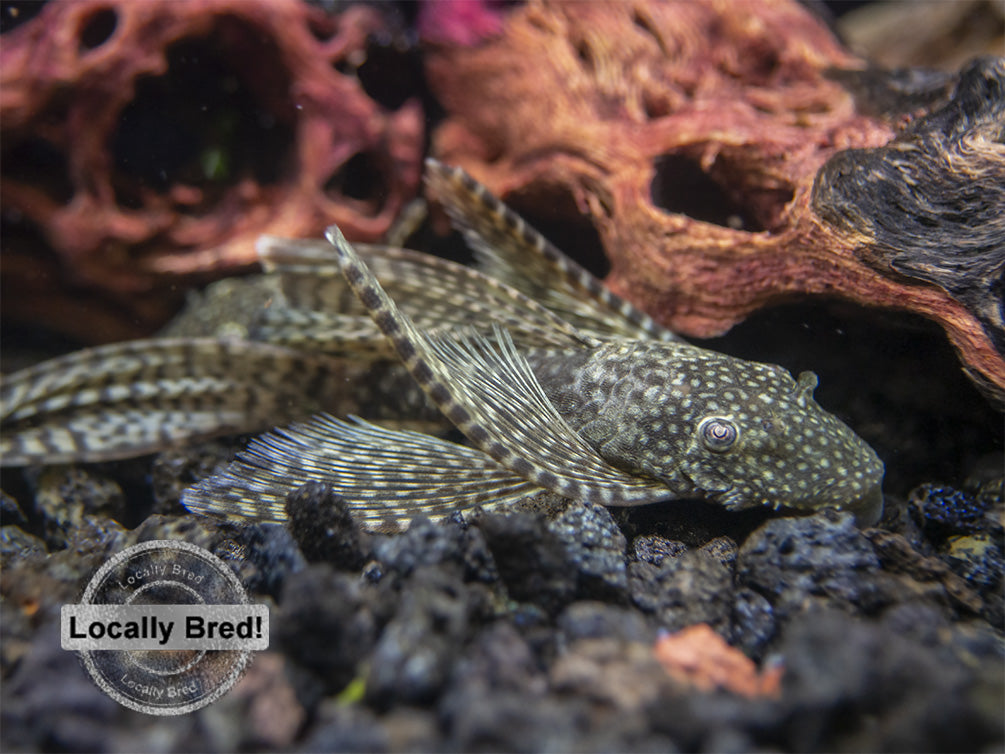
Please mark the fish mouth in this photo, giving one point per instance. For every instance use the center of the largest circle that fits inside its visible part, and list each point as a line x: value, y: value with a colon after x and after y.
x: 868, y: 508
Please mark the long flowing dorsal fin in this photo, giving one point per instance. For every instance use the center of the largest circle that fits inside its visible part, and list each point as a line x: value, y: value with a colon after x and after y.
x: 437, y: 294
x: 510, y: 250
x: 126, y: 399
x: 388, y: 476
x: 489, y: 392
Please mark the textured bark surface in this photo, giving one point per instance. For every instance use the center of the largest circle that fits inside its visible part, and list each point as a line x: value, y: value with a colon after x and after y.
x: 732, y: 156
x: 146, y: 145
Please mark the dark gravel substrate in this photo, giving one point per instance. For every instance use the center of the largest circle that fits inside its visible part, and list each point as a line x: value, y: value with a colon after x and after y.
x: 521, y: 632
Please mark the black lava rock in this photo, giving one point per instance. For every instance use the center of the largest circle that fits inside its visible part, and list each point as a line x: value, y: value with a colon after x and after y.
x: 263, y: 555
x: 597, y: 620
x: 325, y: 624
x: 653, y: 548
x: 791, y: 561
x: 15, y: 543
x: 843, y: 674
x: 416, y: 651
x: 10, y: 512
x: 426, y: 544
x: 512, y: 721
x: 943, y: 510
x: 50, y: 704
x: 322, y: 524
x: 693, y: 588
x: 595, y: 548
x: 64, y: 496
x: 498, y: 659
x: 979, y: 560
x: 347, y: 728
x: 533, y: 562
x: 753, y: 623
x: 722, y: 549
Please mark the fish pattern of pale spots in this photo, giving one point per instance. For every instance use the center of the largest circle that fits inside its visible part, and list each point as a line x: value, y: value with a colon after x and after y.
x: 556, y: 383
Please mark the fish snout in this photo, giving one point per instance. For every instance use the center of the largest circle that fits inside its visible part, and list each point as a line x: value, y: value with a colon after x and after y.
x: 868, y: 508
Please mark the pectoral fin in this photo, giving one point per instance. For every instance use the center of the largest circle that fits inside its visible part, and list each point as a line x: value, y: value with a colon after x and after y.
x: 388, y: 476
x: 489, y: 392
x: 509, y: 249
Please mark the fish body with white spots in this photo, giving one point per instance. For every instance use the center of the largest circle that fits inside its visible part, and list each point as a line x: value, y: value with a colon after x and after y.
x: 735, y: 432
x: 556, y: 383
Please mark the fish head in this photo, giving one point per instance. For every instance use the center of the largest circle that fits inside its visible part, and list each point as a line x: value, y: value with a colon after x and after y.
x: 757, y: 437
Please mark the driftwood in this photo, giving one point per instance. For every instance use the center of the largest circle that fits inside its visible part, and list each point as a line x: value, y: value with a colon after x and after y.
x: 732, y: 156
x: 147, y: 145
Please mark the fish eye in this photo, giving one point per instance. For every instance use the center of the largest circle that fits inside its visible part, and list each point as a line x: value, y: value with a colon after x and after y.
x: 717, y: 433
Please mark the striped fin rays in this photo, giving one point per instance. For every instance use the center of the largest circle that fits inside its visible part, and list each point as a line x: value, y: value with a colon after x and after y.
x: 460, y: 332
x: 482, y: 384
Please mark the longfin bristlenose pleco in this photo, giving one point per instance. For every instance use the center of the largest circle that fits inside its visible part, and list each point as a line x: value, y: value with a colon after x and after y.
x: 557, y: 384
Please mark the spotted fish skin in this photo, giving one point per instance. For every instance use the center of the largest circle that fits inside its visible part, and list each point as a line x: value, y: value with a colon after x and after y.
x: 618, y: 413
x: 739, y: 433
x: 575, y: 392
x: 125, y: 399
x: 616, y: 422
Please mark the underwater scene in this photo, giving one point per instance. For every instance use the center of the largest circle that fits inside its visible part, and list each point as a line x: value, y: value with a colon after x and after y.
x: 479, y: 375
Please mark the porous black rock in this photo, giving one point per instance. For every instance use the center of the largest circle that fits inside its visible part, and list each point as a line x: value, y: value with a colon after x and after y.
x: 580, y: 553
x: 596, y: 620
x: 843, y: 673
x: 50, y: 704
x: 325, y: 624
x: 321, y: 522
x: 723, y: 549
x: 65, y: 495
x: 514, y: 721
x: 716, y: 722
x: 426, y: 544
x: 595, y: 548
x: 341, y: 727
x: 943, y: 510
x: 10, y: 512
x: 209, y: 533
x: 978, y: 559
x: 921, y: 622
x: 793, y: 561
x: 263, y: 556
x: 619, y: 679
x: 532, y: 561
x: 498, y: 658
x: 417, y: 649
x: 16, y: 543
x: 497, y: 665
x: 693, y: 588
x: 753, y: 623
x: 653, y: 548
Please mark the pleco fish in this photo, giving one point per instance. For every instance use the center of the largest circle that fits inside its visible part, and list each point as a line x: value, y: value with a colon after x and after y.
x: 557, y: 383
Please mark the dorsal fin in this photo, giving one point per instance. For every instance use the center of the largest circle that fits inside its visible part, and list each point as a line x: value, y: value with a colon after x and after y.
x: 438, y: 295
x: 509, y: 249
